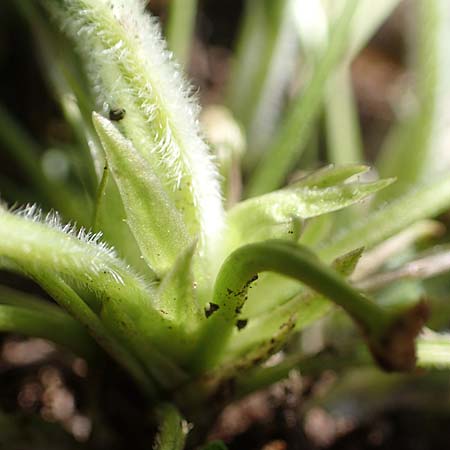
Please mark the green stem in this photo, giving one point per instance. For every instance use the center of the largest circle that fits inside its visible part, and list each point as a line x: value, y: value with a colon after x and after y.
x: 293, y: 136
x: 180, y: 28
x: 65, y: 296
x: 172, y: 428
x: 242, y: 267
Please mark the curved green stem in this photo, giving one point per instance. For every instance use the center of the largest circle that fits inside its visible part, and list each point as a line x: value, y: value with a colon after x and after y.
x: 390, y: 336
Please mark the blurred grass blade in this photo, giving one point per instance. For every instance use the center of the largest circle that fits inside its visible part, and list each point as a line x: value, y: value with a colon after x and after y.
x: 22, y: 148
x: 341, y: 115
x: 265, y: 55
x: 316, y: 231
x: 173, y: 429
x: 161, y: 236
x: 26, y: 154
x: 425, y: 201
x: 375, y: 258
x: 409, y: 147
x: 227, y: 141
x: 368, y: 18
x: 344, y: 139
x: 433, y: 350
x: 290, y: 140
x: 180, y: 28
x: 56, y: 327
x: 420, y: 268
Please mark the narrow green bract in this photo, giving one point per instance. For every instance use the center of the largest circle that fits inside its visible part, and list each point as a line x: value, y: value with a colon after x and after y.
x: 151, y: 215
x: 131, y: 69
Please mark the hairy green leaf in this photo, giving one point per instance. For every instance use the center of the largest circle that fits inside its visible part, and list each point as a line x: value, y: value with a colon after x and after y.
x: 132, y: 72
x: 154, y: 220
x: 278, y: 214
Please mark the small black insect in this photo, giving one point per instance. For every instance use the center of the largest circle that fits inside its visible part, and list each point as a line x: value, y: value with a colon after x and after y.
x: 117, y: 114
x: 241, y: 324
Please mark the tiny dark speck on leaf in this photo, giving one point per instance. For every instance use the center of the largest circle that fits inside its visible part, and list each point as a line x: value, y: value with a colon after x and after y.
x: 254, y: 278
x: 241, y: 323
x: 212, y: 308
x: 116, y: 114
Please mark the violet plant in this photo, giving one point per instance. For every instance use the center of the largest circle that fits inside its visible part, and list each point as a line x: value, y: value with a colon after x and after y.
x: 184, y: 285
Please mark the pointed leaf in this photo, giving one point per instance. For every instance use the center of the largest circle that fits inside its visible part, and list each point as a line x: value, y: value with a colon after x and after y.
x: 331, y: 175
x: 154, y: 220
x: 263, y: 217
x: 176, y: 293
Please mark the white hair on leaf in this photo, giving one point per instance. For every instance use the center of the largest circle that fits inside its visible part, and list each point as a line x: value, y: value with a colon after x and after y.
x: 64, y: 248
x: 130, y: 67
